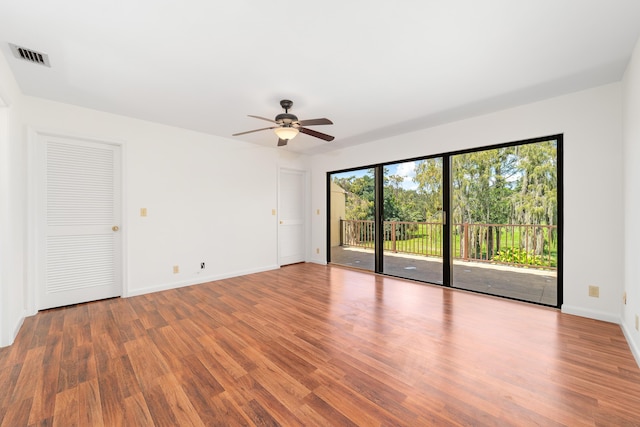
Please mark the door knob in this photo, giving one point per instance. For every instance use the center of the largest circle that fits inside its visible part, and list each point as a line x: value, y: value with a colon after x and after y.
x: 115, y: 228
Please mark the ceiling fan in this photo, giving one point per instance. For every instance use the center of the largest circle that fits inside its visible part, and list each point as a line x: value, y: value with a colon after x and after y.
x: 288, y: 125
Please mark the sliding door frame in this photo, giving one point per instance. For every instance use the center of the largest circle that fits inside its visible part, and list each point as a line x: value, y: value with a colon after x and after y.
x: 447, y: 254
x: 379, y: 218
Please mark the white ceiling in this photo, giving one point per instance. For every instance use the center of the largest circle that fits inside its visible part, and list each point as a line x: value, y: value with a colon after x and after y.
x: 376, y: 68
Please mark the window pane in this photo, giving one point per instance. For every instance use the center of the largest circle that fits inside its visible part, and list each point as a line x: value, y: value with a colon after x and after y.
x: 352, y: 224
x: 413, y: 220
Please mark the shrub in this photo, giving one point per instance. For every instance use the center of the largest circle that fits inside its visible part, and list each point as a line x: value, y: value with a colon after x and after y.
x: 518, y: 256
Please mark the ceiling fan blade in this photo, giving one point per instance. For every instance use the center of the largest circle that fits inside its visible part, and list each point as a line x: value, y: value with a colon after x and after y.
x: 262, y: 118
x: 282, y: 142
x: 314, y: 122
x: 255, y: 130
x: 316, y: 134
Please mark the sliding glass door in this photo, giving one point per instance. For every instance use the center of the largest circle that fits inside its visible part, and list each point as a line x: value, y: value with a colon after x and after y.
x: 484, y: 220
x: 504, y: 214
x: 413, y: 220
x: 351, y: 218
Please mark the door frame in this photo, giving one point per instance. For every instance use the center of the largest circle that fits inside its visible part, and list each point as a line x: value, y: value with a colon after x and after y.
x: 35, y: 171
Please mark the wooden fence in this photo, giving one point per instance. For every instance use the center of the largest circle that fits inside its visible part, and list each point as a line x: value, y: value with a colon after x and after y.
x: 522, y: 245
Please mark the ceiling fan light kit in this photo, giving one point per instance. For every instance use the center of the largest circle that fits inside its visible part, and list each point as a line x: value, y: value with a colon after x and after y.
x: 288, y: 125
x: 287, y: 132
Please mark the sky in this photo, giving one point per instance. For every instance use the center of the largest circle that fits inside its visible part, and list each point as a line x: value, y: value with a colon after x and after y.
x: 407, y: 170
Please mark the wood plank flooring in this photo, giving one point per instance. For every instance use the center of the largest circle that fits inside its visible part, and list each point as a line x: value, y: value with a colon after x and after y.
x: 316, y: 345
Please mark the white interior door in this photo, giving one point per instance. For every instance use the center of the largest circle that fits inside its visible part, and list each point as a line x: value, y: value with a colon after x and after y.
x: 79, y: 242
x: 291, y: 218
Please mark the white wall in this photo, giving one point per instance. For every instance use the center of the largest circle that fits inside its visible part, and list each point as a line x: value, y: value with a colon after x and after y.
x: 593, y: 231
x: 12, y: 209
x: 209, y: 199
x: 631, y: 194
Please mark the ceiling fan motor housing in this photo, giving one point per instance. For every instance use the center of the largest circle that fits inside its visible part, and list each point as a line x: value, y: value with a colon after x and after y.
x: 286, y: 118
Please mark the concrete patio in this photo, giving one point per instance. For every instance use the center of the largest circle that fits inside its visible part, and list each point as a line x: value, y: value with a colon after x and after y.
x: 539, y: 286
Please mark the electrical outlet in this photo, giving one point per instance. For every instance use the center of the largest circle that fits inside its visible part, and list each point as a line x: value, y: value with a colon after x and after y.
x: 594, y: 291
x: 176, y: 269
x: 318, y: 250
x: 273, y: 211
x: 317, y: 211
x: 202, y: 266
x: 143, y: 211
x: 637, y: 323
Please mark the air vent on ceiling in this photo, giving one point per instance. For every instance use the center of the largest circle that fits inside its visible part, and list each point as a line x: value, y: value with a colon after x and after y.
x: 30, y: 55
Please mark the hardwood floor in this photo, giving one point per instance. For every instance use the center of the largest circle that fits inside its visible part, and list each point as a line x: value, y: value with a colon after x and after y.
x: 316, y: 345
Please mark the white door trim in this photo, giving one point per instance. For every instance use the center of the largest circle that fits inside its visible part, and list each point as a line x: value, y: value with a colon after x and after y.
x: 35, y: 171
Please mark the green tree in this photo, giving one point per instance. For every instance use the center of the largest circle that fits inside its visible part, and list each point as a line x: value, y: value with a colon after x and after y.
x: 481, y: 189
x: 508, y: 185
x: 535, y: 199
x: 360, y: 193
x: 429, y: 179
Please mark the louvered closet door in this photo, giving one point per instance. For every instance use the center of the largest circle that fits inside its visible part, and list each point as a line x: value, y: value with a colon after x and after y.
x: 81, y: 244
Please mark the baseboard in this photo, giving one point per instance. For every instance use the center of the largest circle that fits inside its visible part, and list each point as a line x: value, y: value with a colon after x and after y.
x: 632, y: 344
x: 197, y: 280
x: 7, y: 341
x: 318, y: 261
x: 591, y: 314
